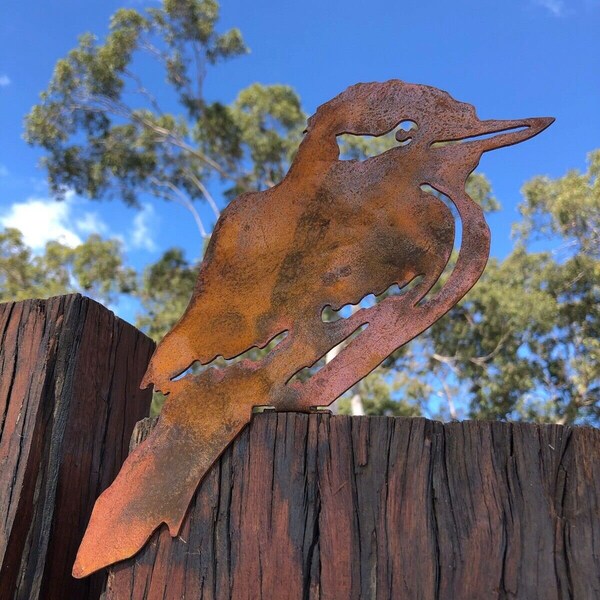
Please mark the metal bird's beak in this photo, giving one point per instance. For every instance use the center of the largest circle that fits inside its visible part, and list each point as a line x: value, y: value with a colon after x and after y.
x: 507, y: 133
x: 493, y: 134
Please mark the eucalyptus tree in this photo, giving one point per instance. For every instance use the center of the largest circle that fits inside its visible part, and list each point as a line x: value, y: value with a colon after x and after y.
x: 94, y: 267
x: 107, y: 133
x: 525, y: 341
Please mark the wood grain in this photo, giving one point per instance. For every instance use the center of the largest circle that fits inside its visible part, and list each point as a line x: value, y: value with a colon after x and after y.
x: 69, y: 399
x: 333, y: 507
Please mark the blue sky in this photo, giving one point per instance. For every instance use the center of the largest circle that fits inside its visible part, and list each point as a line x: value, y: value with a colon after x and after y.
x: 511, y: 59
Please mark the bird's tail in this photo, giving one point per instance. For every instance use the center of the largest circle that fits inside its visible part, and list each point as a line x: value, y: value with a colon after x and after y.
x: 158, y: 480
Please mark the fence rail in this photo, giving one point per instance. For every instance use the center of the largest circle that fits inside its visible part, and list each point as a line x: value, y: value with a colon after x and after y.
x: 335, y: 507
x: 299, y: 507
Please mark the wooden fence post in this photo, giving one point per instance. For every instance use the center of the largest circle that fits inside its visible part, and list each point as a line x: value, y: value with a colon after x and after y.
x: 334, y: 507
x: 69, y: 399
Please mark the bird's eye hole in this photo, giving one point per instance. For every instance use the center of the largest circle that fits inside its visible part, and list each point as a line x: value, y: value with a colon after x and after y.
x: 361, y: 147
x: 405, y: 131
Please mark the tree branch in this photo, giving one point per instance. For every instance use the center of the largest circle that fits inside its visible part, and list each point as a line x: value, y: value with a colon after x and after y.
x: 179, y: 197
x: 105, y: 104
x: 142, y: 90
x: 205, y: 193
x: 449, y: 400
x: 482, y: 360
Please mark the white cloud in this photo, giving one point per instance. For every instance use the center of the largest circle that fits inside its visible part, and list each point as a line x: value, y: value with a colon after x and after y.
x: 41, y: 220
x: 141, y: 236
x: 556, y: 7
x: 4, y: 81
x: 91, y: 223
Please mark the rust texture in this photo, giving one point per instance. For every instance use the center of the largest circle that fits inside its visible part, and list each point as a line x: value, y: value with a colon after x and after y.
x: 332, y: 232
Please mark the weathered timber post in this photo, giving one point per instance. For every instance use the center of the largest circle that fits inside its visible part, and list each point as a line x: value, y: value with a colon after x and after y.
x: 333, y: 507
x: 69, y: 399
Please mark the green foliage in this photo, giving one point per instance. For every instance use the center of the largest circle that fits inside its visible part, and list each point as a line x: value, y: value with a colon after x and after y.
x: 106, y: 134
x: 270, y: 121
x: 165, y: 291
x: 524, y: 342
x: 377, y: 396
x: 567, y: 208
x: 94, y: 268
x: 480, y: 190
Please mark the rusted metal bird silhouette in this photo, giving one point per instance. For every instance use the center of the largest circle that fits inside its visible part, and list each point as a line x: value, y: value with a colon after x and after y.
x: 332, y: 232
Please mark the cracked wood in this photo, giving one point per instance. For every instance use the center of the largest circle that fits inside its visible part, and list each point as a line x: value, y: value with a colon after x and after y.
x: 331, y: 507
x: 69, y: 399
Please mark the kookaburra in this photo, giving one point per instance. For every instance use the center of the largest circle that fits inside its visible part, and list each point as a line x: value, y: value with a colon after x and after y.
x: 332, y: 232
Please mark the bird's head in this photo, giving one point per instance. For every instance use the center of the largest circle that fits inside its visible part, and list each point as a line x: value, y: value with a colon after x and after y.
x: 439, y: 121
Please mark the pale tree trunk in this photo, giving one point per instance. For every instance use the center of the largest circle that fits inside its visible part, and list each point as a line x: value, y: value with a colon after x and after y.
x: 356, y: 404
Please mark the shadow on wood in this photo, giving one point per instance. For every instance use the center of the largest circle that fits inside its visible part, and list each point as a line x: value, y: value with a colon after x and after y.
x: 69, y: 399
x: 375, y: 508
